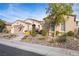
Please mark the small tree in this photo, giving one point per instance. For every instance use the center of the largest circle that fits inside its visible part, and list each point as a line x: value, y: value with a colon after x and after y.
x: 33, y: 33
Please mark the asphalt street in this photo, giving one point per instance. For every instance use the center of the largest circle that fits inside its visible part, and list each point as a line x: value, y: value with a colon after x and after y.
x: 11, y: 51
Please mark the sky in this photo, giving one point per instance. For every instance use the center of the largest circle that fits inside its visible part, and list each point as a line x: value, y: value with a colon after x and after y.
x: 15, y: 11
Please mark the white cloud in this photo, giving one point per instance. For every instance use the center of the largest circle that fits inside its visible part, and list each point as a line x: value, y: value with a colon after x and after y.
x: 13, y: 13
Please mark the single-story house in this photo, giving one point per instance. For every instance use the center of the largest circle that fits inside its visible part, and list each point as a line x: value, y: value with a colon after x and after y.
x: 20, y: 26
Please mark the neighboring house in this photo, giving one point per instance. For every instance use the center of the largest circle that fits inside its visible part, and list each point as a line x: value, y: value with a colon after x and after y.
x: 20, y: 26
x: 68, y: 25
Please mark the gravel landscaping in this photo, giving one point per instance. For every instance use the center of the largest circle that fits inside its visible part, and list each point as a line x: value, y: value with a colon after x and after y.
x: 71, y: 42
x: 7, y: 36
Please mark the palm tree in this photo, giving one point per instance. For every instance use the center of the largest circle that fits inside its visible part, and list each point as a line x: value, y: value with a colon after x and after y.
x: 2, y: 25
x: 56, y: 13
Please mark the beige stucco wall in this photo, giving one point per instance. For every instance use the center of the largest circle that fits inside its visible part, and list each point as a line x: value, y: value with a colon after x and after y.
x: 8, y: 27
x: 70, y: 24
x: 27, y: 26
x: 58, y: 28
x: 18, y: 23
x: 37, y: 23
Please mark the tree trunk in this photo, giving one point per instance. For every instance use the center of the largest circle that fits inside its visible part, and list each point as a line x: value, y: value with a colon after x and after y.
x: 49, y: 29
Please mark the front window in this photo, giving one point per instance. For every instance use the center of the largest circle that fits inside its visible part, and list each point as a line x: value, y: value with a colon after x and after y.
x: 52, y: 27
x: 63, y: 27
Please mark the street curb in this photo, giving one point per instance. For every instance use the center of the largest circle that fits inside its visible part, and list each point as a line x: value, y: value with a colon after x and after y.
x: 40, y: 49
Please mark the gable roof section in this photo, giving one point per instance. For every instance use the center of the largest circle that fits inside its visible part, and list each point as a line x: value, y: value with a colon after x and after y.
x: 8, y: 23
x: 23, y: 22
x: 32, y: 20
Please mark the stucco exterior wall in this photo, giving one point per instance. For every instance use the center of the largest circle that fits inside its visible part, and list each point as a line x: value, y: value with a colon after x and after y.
x: 37, y: 23
x: 26, y: 24
x: 70, y: 24
x: 8, y: 27
x: 58, y: 28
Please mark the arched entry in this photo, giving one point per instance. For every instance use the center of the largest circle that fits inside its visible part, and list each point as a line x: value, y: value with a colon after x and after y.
x: 18, y: 28
x: 33, y: 26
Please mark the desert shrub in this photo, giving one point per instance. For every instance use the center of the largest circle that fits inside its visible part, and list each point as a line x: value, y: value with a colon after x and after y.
x: 25, y: 37
x: 52, y: 41
x: 77, y: 36
x: 27, y: 33
x: 9, y: 36
x: 12, y: 35
x: 5, y: 30
x: 41, y: 38
x: 57, y: 32
x: 44, y: 32
x: 40, y: 32
x: 72, y: 44
x: 26, y: 40
x: 70, y: 33
x: 52, y: 34
x: 61, y: 39
x: 37, y: 31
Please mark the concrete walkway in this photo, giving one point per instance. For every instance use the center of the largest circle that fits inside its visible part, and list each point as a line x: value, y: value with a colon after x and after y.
x: 40, y: 49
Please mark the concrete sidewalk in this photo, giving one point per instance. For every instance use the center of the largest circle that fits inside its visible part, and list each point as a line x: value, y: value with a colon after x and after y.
x: 40, y: 49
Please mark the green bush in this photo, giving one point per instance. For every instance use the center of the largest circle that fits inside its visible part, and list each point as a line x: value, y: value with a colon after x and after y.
x: 70, y: 33
x: 44, y: 32
x: 61, y: 39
